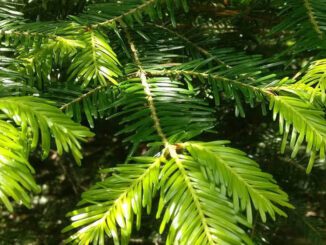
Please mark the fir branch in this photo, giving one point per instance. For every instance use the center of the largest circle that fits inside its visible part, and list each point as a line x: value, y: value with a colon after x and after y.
x: 102, y: 65
x: 106, y: 211
x: 82, y: 97
x: 175, y: 72
x: 192, y: 44
x: 312, y: 18
x: 44, y: 121
x: 242, y: 176
x: 120, y: 17
x: 308, y: 124
x: 27, y: 34
x: 142, y: 75
x: 204, y: 221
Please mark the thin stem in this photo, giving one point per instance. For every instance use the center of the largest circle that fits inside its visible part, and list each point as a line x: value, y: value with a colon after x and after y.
x: 192, y: 44
x: 174, y: 155
x: 312, y: 18
x: 207, y: 75
x: 93, y: 41
x: 124, y: 194
x: 28, y: 34
x: 142, y: 75
x: 83, y: 96
x: 120, y: 17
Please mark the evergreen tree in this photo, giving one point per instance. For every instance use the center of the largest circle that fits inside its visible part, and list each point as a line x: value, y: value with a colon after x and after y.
x: 161, y: 69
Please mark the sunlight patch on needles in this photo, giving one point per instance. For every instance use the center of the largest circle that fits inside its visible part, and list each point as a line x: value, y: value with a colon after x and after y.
x: 16, y: 178
x: 303, y: 122
x: 162, y: 83
x: 44, y: 121
x: 193, y: 204
x: 316, y: 79
x: 132, y: 187
x: 96, y: 62
x: 242, y: 178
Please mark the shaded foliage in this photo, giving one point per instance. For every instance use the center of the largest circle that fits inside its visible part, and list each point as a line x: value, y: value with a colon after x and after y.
x: 160, y: 79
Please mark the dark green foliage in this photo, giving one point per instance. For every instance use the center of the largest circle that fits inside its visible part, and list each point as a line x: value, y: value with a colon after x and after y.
x: 160, y: 71
x: 306, y: 19
x: 181, y: 113
x: 242, y: 178
x: 36, y: 121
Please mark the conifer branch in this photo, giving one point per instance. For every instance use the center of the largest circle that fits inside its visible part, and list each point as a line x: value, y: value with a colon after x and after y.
x: 27, y: 34
x: 83, y: 96
x: 207, y: 76
x: 312, y: 18
x: 192, y: 44
x: 142, y: 75
x: 172, y: 151
x: 120, y: 17
x: 162, y: 95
